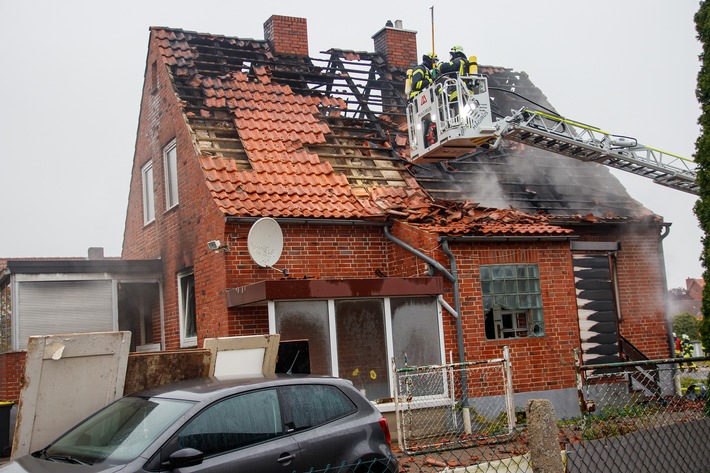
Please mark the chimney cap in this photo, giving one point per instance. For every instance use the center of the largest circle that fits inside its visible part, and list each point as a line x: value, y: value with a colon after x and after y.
x: 396, y: 26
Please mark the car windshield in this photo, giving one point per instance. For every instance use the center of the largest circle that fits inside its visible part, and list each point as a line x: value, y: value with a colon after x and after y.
x: 119, y: 433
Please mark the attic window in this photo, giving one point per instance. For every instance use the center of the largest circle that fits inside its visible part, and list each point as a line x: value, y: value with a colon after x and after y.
x: 512, y: 302
x: 154, y: 77
x: 188, y: 314
x: 171, y: 178
x: 148, y: 196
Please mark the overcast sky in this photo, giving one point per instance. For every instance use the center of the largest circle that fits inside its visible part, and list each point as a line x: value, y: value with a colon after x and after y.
x: 72, y: 74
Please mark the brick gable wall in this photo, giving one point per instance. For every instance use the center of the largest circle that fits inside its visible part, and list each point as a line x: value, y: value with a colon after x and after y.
x: 178, y: 236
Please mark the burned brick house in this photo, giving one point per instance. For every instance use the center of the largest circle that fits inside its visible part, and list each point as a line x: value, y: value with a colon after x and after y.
x: 377, y: 258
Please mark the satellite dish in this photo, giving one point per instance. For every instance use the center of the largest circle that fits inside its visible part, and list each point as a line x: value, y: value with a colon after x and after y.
x: 265, y: 242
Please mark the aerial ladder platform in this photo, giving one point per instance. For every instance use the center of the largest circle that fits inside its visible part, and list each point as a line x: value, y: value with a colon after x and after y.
x: 453, y: 117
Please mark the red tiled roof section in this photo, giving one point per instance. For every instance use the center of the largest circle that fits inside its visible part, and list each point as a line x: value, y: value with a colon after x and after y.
x: 266, y: 112
x: 282, y: 185
x: 273, y: 124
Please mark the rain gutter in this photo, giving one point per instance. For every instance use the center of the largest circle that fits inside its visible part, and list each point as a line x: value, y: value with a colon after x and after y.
x: 310, y: 221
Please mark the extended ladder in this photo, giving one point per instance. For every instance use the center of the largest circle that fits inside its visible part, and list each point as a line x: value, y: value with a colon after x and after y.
x: 587, y: 143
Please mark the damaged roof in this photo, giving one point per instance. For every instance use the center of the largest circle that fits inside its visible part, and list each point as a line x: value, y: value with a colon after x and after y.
x: 294, y: 136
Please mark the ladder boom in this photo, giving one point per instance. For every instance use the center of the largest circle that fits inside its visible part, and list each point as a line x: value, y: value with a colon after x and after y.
x: 587, y: 143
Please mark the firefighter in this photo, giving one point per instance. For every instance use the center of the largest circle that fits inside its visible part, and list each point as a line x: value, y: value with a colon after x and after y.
x: 423, y: 75
x: 687, y: 349
x: 458, y: 64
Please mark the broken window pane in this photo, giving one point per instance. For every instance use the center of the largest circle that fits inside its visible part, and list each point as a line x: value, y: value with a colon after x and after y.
x: 307, y: 320
x: 512, y: 301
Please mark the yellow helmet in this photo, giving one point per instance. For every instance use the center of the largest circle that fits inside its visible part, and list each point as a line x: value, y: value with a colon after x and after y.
x: 457, y: 51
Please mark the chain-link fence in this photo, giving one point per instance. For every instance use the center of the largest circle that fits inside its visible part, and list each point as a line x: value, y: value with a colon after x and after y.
x: 377, y: 465
x: 650, y: 416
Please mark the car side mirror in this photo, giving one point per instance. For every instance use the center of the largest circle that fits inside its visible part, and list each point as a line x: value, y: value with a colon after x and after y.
x: 186, y: 457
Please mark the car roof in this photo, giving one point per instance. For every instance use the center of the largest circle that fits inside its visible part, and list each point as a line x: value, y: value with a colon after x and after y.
x: 200, y: 389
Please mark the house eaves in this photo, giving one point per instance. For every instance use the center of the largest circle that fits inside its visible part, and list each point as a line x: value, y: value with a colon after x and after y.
x: 124, y: 268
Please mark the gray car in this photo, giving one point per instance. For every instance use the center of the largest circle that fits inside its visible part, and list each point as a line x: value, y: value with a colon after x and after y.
x: 277, y: 423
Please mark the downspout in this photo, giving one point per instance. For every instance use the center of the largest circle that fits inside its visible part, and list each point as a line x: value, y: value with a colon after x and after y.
x: 459, y: 334
x: 453, y: 279
x: 669, y: 322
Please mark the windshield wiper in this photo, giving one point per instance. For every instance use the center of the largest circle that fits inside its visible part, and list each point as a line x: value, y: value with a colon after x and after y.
x: 61, y: 458
x: 67, y: 459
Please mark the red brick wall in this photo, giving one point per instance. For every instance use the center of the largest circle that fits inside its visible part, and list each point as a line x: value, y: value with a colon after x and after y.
x: 313, y: 251
x: 12, y: 368
x: 287, y: 35
x: 538, y: 363
x: 179, y: 235
x: 398, y: 46
x: 642, y: 290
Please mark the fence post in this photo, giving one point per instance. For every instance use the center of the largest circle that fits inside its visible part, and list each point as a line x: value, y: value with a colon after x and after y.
x: 542, y: 431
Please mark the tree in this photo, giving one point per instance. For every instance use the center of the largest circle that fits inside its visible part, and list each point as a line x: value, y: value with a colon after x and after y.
x: 702, y: 158
x: 678, y: 293
x: 686, y: 324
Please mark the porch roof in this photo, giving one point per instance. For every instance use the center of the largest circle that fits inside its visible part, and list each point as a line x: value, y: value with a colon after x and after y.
x: 263, y: 291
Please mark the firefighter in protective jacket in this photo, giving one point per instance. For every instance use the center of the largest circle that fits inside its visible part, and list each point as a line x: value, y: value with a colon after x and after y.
x: 423, y: 75
x: 687, y: 348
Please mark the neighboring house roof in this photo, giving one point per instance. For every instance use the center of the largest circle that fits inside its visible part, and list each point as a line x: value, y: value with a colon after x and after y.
x: 694, y: 287
x: 292, y: 136
x: 78, y: 266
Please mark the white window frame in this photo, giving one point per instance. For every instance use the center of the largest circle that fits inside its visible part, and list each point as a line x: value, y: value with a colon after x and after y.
x: 148, y: 193
x: 171, y: 175
x: 185, y: 340
x: 383, y: 407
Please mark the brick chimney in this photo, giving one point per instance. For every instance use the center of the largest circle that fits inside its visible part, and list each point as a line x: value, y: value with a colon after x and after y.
x: 287, y: 35
x: 397, y: 45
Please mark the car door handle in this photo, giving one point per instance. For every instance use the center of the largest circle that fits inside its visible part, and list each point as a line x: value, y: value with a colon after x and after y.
x: 286, y: 457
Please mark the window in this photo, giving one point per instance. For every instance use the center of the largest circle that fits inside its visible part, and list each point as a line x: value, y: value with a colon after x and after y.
x: 311, y: 405
x: 148, y: 196
x: 512, y: 301
x: 188, y: 315
x: 356, y: 339
x: 233, y: 423
x: 171, y: 179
